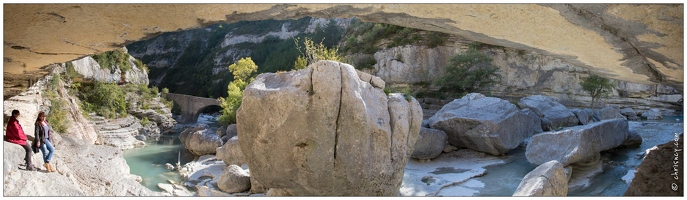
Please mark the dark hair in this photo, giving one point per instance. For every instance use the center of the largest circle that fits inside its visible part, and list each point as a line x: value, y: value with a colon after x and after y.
x: 38, y: 119
x: 15, y: 112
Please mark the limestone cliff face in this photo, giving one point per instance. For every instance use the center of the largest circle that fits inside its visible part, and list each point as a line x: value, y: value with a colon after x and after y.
x: 83, y: 169
x: 523, y: 73
x: 638, y: 43
x: 90, y: 68
x: 164, y: 51
x: 30, y: 102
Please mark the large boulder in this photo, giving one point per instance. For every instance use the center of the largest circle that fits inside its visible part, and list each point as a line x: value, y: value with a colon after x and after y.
x: 485, y: 124
x: 653, y: 114
x: 660, y: 159
x: 548, y: 179
x: 584, y: 115
x: 629, y: 113
x: 200, y: 140
x: 577, y: 143
x: 549, y: 108
x: 429, y: 143
x: 608, y: 112
x: 234, y: 179
x: 231, y: 153
x: 633, y: 140
x: 231, y: 131
x: 323, y: 131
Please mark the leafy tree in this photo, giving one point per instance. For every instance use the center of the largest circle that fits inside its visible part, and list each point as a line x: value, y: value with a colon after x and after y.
x: 597, y: 87
x: 468, y: 72
x: 106, y: 99
x: 315, y: 52
x: 242, y: 71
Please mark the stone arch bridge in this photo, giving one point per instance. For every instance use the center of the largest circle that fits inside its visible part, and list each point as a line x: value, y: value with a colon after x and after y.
x: 191, y: 106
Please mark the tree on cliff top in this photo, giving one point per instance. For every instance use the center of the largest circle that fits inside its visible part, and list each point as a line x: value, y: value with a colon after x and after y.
x: 597, y: 87
x: 243, y: 71
x: 469, y: 71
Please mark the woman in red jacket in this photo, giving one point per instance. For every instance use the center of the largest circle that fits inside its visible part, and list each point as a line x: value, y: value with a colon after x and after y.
x: 15, y: 134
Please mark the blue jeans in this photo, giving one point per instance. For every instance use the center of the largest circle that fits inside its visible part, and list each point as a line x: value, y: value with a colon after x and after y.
x: 45, y: 147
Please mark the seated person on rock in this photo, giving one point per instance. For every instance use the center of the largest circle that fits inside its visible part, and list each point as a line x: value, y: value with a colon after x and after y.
x: 15, y: 134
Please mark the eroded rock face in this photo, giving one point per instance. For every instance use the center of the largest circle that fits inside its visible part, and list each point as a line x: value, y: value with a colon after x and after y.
x: 323, y: 131
x: 90, y: 69
x: 35, y: 39
x: 485, y: 124
x: 549, y: 108
x: 576, y: 144
x: 548, y: 179
x: 660, y: 159
x: 430, y: 143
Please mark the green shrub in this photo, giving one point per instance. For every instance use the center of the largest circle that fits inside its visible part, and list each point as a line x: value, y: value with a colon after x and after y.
x: 58, y: 115
x: 469, y: 71
x: 315, y: 52
x: 142, y: 66
x: 165, y: 91
x: 106, y: 99
x: 154, y: 91
x: 365, y: 62
x: 597, y: 87
x: 145, y: 121
x: 435, y: 39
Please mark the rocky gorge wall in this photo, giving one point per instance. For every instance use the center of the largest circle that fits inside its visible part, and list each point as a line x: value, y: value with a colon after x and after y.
x: 90, y: 69
x: 523, y: 74
x: 83, y: 168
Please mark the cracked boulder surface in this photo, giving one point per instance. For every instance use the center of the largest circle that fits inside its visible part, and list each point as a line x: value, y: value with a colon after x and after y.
x: 326, y: 131
x: 630, y: 42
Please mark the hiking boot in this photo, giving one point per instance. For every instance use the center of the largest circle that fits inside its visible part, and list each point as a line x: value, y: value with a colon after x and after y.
x: 31, y: 168
x: 50, y: 168
x: 46, y: 166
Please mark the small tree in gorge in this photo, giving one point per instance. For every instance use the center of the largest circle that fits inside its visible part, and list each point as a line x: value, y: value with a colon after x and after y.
x: 597, y: 87
x: 243, y: 71
x: 468, y: 72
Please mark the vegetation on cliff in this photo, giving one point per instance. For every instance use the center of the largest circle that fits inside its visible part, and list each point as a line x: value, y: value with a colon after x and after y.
x: 468, y: 72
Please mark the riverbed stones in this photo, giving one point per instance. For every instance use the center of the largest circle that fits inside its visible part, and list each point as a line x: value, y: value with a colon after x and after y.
x: 200, y: 140
x: 584, y: 115
x: 575, y: 144
x: 549, y: 108
x: 485, y: 124
x: 548, y: 179
x: 653, y: 114
x: 231, y: 153
x: 234, y: 179
x: 429, y: 143
x: 607, y: 112
x: 629, y: 113
x: 633, y: 140
x: 323, y: 131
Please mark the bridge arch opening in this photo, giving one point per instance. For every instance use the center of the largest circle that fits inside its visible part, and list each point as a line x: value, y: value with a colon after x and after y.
x: 210, y: 110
